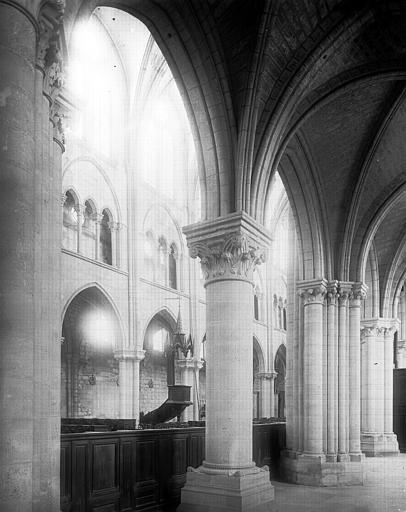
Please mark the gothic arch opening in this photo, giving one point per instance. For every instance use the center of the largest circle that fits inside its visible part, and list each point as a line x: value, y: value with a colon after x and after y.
x: 89, y: 373
x: 280, y: 368
x: 157, y: 369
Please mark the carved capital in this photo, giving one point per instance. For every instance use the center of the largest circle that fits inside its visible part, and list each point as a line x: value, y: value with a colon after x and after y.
x: 372, y: 331
x: 332, y: 293
x: 358, y: 293
x: 313, y: 292
x: 383, y: 328
x: 234, y: 257
x: 344, y: 291
x: 229, y: 247
x: 49, y: 55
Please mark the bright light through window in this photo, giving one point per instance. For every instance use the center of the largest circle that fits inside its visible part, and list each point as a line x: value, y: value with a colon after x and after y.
x: 159, y: 340
x: 98, y: 329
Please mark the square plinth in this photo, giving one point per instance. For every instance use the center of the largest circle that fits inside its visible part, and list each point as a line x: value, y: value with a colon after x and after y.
x: 376, y: 445
x: 309, y: 470
x: 233, y: 491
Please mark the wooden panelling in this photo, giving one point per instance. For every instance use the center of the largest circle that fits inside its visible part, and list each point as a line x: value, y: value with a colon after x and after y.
x: 141, y: 470
x: 104, y: 467
x: 66, y: 476
x: 146, y: 477
x: 399, y: 406
x: 80, y: 477
x: 127, y: 465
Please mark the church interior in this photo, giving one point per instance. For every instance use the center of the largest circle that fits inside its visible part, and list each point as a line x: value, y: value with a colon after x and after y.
x: 203, y: 279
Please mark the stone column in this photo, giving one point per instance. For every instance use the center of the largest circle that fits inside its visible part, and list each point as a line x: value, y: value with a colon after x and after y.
x: 98, y: 221
x: 358, y: 293
x: 115, y: 243
x: 391, y: 443
x: 401, y: 353
x: 332, y: 350
x: 125, y: 359
x: 139, y: 356
x: 372, y: 386
x: 313, y: 293
x: 229, y: 249
x: 188, y: 368
x: 344, y: 290
x: 369, y: 334
x: 402, y: 315
x: 377, y: 387
x: 80, y: 211
x: 267, y: 395
x: 30, y: 415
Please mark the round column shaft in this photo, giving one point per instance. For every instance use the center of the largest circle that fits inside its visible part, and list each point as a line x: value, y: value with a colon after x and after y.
x: 229, y: 374
x: 331, y: 370
x: 313, y: 369
x: 342, y: 375
x: 355, y: 371
x: 229, y: 249
x: 388, y: 380
x: 368, y: 392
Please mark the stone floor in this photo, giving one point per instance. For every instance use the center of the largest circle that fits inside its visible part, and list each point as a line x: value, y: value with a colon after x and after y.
x: 384, y: 490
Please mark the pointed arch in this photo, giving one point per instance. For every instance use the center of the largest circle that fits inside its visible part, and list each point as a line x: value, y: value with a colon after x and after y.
x: 106, y: 296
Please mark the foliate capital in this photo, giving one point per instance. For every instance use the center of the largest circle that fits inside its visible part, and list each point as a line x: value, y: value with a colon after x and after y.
x: 379, y: 327
x: 229, y: 247
x: 313, y: 292
x: 358, y: 293
x: 372, y: 331
x: 332, y: 293
x: 344, y: 291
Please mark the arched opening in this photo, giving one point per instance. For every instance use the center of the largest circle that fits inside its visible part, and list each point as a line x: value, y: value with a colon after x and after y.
x: 106, y: 252
x: 162, y: 260
x: 280, y: 368
x: 157, y: 369
x: 256, y: 385
x: 172, y: 267
x: 70, y: 222
x: 89, y: 374
x: 89, y: 241
x: 257, y: 368
x: 258, y: 297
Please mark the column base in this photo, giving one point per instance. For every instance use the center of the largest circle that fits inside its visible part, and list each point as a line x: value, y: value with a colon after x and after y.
x: 235, y: 491
x: 315, y: 470
x: 376, y: 445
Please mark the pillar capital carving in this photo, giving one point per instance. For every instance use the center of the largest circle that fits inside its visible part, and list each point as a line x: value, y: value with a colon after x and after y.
x: 332, y: 293
x: 229, y: 247
x: 379, y: 327
x: 368, y: 331
x: 358, y: 293
x: 313, y: 292
x: 344, y: 291
x: 49, y: 54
